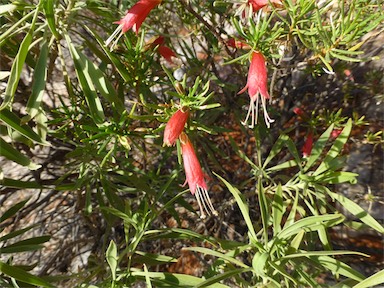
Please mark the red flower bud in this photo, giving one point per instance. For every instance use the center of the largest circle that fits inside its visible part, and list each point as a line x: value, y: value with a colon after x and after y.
x: 307, y: 148
x: 175, y: 126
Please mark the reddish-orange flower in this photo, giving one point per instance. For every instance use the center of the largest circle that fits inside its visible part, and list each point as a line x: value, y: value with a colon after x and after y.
x: 307, y: 148
x: 231, y: 42
x: 133, y: 19
x: 175, y: 126
x: 257, y: 89
x: 245, y: 8
x: 195, y: 177
x: 258, y: 4
x: 163, y: 50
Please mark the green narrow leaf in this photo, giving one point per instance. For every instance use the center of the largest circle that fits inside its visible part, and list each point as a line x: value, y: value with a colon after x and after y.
x: 263, y: 209
x: 242, y: 205
x: 175, y: 279
x: 318, y: 148
x: 357, y: 211
x: 113, y: 58
x: 18, y: 63
x: 39, y: 80
x: 278, y: 210
x: 258, y: 263
x: 147, y: 278
x: 31, y: 241
x: 13, y: 234
x: 335, y: 149
x: 221, y: 276
x: 7, y: 151
x: 21, y: 248
x: 11, y: 120
x: 111, y: 256
x: 102, y: 83
x: 86, y: 83
x: 13, y: 210
x: 371, y: 281
x: 282, y: 271
x: 322, y: 253
x: 23, y: 276
x: 17, y: 66
x: 218, y: 255
x: 310, y: 223
x: 50, y: 16
x: 338, y: 267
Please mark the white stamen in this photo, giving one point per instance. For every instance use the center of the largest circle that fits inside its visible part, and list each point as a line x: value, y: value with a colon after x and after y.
x: 253, y: 108
x: 204, y: 202
x: 116, y: 34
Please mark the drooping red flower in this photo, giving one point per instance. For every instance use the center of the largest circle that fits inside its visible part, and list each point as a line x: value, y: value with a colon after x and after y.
x: 257, y: 89
x: 163, y: 50
x: 195, y: 177
x: 258, y: 4
x: 133, y: 19
x: 246, y: 8
x: 307, y: 148
x: 175, y: 126
x: 231, y: 42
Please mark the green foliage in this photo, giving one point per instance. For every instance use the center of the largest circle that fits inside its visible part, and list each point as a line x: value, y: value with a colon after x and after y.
x: 10, y: 274
x: 115, y: 106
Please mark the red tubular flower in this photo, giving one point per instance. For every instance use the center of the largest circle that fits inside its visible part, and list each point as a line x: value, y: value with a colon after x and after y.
x: 245, y: 8
x: 258, y: 4
x: 133, y: 19
x: 195, y: 177
x: 163, y: 50
x: 257, y: 85
x: 231, y: 42
x: 175, y: 126
x: 307, y: 148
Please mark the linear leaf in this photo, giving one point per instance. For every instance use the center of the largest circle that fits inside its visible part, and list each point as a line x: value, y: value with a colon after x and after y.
x: 310, y: 223
x: 217, y: 254
x: 18, y: 63
x: 86, y: 83
x: 102, y: 83
x: 13, y: 121
x: 222, y: 276
x: 7, y: 151
x: 318, y: 147
x: 112, y: 258
x: 48, y: 6
x: 40, y: 78
x: 23, y: 276
x: 335, y: 149
x: 357, y: 211
x: 375, y: 279
x: 242, y: 205
x: 13, y: 210
x: 13, y: 234
x: 175, y: 279
x: 336, y: 266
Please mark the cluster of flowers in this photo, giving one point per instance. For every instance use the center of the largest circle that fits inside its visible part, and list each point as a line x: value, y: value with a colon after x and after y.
x: 193, y: 172
x: 257, y: 86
